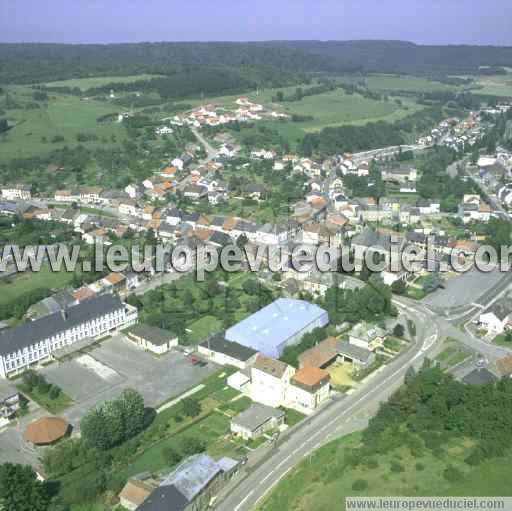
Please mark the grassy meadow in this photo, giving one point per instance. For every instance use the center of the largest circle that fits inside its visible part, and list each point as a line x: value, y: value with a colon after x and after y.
x: 38, y: 131
x: 323, y: 480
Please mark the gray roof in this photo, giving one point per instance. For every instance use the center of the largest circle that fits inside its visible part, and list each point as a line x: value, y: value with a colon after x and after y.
x: 220, y: 344
x: 369, y: 238
x: 256, y: 415
x: 152, y: 334
x: 479, y: 377
x: 193, y: 475
x: 354, y: 352
x: 32, y: 332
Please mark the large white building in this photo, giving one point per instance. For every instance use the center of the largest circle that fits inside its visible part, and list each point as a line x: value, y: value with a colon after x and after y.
x: 36, y: 341
x: 17, y: 192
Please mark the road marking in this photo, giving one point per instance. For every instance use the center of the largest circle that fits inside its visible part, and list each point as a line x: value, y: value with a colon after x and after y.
x: 267, y: 476
x: 284, y: 461
x: 242, y: 502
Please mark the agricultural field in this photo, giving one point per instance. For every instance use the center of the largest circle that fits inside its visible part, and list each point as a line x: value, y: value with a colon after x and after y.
x: 327, y: 477
x: 413, y: 84
x: 55, y: 124
x: 498, y: 85
x: 98, y: 81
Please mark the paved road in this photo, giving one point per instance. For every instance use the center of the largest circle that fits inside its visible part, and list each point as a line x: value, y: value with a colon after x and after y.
x: 338, y: 418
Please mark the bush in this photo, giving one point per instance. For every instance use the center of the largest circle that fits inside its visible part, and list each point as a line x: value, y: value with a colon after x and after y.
x: 396, y: 467
x: 54, y: 392
x: 172, y: 457
x: 191, y: 407
x: 360, y: 485
x: 453, y: 474
x: 192, y: 445
x: 399, y: 330
x: 420, y: 467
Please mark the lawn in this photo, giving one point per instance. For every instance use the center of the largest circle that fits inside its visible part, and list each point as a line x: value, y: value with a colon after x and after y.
x: 12, y: 288
x: 202, y: 328
x: 324, y: 478
x: 501, y: 340
x: 54, y: 406
x: 453, y: 354
x: 98, y: 81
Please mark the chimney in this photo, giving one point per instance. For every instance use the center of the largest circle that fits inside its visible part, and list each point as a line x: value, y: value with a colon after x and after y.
x: 64, y: 314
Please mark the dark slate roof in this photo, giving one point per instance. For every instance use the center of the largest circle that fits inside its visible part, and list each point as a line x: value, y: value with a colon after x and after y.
x: 153, y: 334
x: 220, y: 238
x: 256, y: 415
x: 165, y: 498
x: 190, y: 217
x: 217, y: 221
x: 501, y: 308
x: 32, y: 332
x: 220, y: 344
x: 479, y: 377
x: 354, y: 352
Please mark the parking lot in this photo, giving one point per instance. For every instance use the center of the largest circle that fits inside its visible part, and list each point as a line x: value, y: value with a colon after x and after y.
x: 117, y: 364
x: 464, y: 289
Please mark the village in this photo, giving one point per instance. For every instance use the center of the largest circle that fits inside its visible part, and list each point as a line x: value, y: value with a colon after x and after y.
x: 89, y: 342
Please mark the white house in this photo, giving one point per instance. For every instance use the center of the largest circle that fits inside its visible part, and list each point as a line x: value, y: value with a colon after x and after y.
x: 309, y: 388
x: 270, y: 380
x: 498, y: 316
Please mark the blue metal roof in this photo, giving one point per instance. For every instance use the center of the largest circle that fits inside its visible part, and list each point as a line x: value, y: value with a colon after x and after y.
x: 269, y: 329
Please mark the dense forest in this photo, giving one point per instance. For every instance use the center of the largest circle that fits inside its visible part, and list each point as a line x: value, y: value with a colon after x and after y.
x: 29, y: 63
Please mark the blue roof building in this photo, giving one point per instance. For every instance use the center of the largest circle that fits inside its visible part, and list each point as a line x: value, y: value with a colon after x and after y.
x: 279, y: 324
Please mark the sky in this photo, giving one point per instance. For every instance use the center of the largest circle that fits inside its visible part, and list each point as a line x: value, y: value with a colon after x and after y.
x: 113, y: 21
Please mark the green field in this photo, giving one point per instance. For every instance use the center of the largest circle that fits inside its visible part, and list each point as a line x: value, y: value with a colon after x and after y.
x: 62, y: 116
x: 498, y: 85
x: 323, y: 480
x: 395, y: 83
x: 98, y: 81
x: 12, y: 288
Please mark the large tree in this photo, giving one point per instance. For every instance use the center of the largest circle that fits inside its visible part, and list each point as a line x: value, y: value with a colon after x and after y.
x: 20, y: 490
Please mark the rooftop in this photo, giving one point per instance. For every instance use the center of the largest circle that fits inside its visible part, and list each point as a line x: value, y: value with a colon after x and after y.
x: 219, y: 344
x: 154, y: 335
x: 29, y: 333
x: 256, y: 415
x: 269, y: 328
x: 311, y: 377
x: 270, y: 366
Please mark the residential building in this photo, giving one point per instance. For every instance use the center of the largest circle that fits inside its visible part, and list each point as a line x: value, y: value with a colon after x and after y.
x: 191, y: 486
x: 256, y: 420
x: 9, y: 401
x: 17, y: 192
x: 308, y: 389
x: 496, y: 318
x: 35, y: 341
x: 270, y: 380
x: 134, y: 493
x: 367, y: 336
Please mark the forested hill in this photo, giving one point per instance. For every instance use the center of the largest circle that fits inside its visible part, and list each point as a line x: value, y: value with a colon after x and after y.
x: 405, y: 57
x: 25, y: 63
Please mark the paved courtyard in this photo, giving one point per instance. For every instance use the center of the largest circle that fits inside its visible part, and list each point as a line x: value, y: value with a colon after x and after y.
x: 117, y: 364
